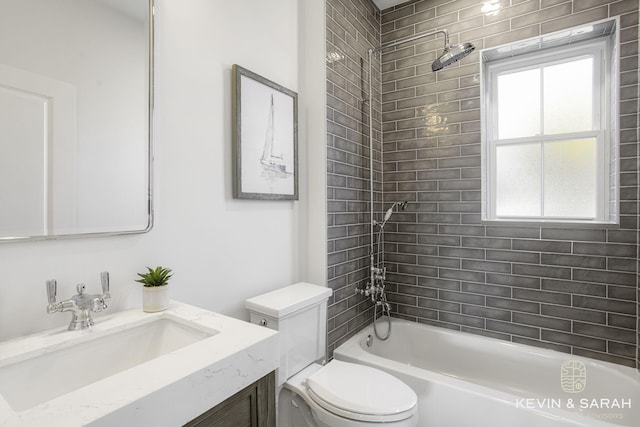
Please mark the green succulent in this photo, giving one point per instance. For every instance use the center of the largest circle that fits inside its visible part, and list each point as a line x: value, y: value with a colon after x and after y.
x: 158, y: 277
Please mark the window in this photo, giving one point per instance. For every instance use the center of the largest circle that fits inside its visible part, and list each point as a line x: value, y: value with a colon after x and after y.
x: 548, y: 130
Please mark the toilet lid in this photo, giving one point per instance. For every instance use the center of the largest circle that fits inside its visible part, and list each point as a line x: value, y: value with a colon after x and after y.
x: 361, y: 390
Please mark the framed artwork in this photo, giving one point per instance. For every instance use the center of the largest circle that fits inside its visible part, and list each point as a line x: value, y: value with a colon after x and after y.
x: 265, y: 138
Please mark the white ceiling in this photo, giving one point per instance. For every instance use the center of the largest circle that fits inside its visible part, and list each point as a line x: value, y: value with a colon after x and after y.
x: 386, y: 4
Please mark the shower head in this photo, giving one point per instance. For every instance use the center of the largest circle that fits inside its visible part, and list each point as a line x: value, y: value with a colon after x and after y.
x: 452, y: 54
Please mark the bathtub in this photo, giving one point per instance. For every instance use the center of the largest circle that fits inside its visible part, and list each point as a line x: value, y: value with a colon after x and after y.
x: 465, y: 380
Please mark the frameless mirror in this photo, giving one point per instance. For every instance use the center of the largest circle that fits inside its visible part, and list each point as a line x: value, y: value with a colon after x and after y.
x: 75, y: 113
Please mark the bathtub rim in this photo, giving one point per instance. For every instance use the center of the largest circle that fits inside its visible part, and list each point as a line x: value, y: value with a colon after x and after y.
x: 626, y: 371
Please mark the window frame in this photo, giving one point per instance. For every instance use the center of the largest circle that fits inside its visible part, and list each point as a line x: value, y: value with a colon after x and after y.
x: 603, y: 49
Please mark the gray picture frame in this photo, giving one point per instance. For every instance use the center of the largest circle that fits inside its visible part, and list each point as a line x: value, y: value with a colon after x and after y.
x: 265, y: 138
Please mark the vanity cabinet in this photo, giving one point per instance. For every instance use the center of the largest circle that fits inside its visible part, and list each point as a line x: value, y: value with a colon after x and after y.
x: 254, y: 406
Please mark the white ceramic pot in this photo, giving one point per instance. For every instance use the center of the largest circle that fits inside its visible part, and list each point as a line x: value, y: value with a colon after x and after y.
x: 155, y: 298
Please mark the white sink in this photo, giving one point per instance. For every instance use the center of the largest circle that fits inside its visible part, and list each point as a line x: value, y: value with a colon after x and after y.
x: 43, y: 377
x: 126, y: 368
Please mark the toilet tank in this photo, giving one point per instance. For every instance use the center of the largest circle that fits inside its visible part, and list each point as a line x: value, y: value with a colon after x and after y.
x: 299, y: 313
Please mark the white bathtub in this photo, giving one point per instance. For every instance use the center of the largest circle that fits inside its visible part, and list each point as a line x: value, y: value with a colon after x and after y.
x: 464, y: 380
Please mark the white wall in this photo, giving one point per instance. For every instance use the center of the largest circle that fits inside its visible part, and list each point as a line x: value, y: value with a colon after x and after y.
x: 313, y: 93
x: 221, y: 250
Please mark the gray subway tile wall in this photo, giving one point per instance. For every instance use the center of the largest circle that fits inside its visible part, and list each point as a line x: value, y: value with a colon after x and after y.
x: 573, y: 290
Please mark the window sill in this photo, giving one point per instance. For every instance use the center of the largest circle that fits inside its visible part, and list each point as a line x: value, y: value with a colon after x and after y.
x: 553, y: 223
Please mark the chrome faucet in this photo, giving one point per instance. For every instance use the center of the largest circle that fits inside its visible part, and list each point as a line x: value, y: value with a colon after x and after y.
x: 80, y: 305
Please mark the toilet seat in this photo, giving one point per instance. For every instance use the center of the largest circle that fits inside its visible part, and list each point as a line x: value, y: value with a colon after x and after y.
x: 361, y: 393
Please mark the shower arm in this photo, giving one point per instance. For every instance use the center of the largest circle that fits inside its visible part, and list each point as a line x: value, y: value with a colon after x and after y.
x: 410, y: 39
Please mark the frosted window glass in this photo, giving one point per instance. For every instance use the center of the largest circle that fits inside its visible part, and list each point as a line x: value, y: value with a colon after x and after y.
x: 519, y: 104
x: 568, y: 97
x: 518, y: 189
x: 570, y: 178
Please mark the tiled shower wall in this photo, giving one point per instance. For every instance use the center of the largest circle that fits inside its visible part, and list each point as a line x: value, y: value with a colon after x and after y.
x: 353, y: 26
x: 569, y: 289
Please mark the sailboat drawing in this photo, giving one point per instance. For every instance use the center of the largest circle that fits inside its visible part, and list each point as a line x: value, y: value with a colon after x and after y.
x: 272, y: 162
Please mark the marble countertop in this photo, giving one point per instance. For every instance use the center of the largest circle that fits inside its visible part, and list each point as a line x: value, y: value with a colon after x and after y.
x: 169, y: 390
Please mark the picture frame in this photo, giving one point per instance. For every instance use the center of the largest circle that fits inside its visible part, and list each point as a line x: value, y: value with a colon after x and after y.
x: 265, y: 138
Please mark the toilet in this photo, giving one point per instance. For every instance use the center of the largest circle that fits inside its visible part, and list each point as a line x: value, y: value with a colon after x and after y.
x: 337, y: 394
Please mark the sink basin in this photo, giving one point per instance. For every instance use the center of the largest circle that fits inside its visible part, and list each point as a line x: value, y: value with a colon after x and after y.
x: 40, y: 377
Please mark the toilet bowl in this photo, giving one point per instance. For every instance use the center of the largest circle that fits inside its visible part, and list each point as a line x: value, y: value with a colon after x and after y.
x: 338, y: 394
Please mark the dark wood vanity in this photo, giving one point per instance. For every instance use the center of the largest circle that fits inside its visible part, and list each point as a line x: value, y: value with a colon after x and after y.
x: 253, y: 406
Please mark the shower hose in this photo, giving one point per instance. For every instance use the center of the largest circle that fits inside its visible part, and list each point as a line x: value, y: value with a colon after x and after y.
x: 385, y: 307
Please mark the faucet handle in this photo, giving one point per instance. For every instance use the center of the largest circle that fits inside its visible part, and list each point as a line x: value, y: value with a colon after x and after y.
x: 104, y: 281
x: 52, y: 290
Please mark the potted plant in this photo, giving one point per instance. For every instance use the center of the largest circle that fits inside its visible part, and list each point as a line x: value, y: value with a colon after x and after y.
x: 155, y: 295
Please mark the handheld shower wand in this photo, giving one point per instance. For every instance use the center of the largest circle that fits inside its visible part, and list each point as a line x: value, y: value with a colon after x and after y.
x: 401, y: 206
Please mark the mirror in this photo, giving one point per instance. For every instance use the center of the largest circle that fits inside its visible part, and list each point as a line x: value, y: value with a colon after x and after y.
x: 75, y: 115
